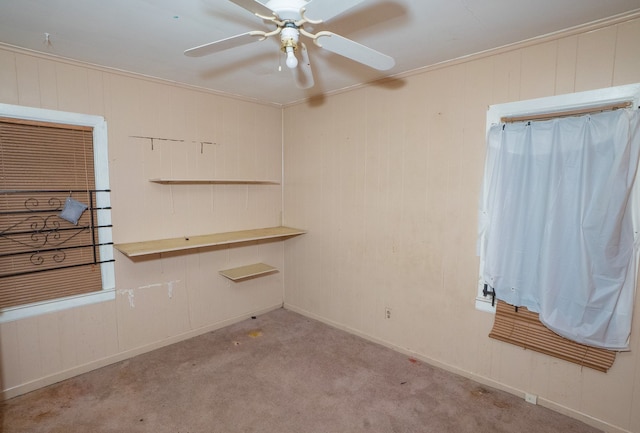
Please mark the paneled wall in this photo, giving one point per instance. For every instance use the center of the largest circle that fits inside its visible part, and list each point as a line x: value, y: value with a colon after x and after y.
x: 160, y: 299
x: 386, y: 178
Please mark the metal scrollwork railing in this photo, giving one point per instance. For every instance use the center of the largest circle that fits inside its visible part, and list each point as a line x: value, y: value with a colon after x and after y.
x: 35, y: 238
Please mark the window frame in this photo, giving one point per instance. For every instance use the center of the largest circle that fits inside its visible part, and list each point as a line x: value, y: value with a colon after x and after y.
x: 550, y: 105
x: 101, y: 169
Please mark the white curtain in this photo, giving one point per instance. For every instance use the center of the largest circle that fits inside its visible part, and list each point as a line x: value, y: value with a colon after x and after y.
x: 557, y: 222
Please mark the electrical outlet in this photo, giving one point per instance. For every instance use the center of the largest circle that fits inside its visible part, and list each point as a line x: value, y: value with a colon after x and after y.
x: 531, y: 398
x: 387, y: 313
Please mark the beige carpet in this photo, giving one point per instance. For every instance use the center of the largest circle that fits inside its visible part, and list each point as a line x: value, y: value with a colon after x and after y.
x: 280, y: 372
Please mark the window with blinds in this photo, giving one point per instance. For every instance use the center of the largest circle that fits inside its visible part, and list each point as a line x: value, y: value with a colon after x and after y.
x: 42, y: 255
x: 519, y: 326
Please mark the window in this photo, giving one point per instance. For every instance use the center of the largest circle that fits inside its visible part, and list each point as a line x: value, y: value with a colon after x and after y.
x: 570, y: 233
x: 50, y: 256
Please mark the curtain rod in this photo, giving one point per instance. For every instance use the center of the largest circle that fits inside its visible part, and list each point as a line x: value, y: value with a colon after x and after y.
x: 567, y: 113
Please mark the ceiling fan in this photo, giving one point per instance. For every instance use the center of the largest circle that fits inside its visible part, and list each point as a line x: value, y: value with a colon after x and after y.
x: 290, y: 16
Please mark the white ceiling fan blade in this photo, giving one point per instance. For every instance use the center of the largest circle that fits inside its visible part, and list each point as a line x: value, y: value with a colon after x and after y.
x: 225, y: 44
x: 303, y: 74
x: 326, y: 9
x: 354, y: 51
x: 255, y: 7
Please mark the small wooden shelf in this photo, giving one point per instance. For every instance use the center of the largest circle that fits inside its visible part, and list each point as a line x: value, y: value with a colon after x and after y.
x: 171, y: 181
x: 135, y: 249
x: 242, y: 272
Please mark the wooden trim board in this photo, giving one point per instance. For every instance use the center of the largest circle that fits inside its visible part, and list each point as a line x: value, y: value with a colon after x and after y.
x: 242, y: 272
x: 135, y: 249
x: 168, y: 181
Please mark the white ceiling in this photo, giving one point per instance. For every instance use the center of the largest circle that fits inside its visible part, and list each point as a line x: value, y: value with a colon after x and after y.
x: 149, y: 37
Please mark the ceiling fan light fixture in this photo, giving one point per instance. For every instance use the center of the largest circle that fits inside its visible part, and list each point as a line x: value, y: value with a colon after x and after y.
x: 289, y: 44
x: 291, y: 61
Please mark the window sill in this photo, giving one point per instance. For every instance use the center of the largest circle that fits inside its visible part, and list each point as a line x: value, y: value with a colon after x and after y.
x: 484, y: 304
x: 24, y: 311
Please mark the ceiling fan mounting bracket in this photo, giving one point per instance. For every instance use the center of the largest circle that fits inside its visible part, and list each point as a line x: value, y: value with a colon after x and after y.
x: 263, y: 17
x: 305, y: 19
x: 306, y: 33
x: 318, y: 35
x: 265, y: 35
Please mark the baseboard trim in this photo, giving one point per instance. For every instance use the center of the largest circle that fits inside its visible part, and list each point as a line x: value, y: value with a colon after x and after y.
x: 587, y: 419
x: 121, y: 356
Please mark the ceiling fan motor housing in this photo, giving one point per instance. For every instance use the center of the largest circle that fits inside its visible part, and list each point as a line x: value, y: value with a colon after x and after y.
x: 287, y: 10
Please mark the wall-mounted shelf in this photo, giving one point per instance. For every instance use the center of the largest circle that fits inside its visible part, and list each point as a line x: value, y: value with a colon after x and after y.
x: 248, y: 271
x: 136, y: 249
x: 175, y: 181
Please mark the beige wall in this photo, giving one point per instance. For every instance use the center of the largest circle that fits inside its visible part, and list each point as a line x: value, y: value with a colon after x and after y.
x: 162, y: 299
x: 386, y: 179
